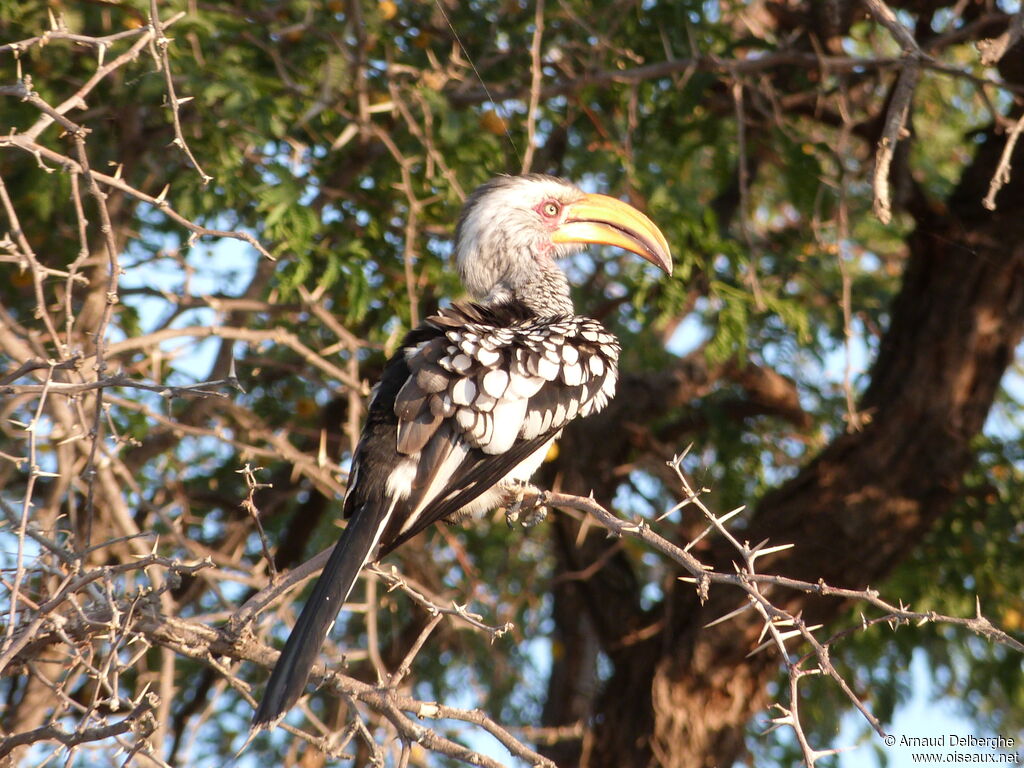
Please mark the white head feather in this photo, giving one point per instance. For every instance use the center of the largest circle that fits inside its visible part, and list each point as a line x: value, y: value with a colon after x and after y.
x: 503, y: 246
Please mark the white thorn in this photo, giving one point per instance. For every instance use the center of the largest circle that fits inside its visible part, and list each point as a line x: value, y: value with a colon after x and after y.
x: 769, y: 550
x: 729, y: 615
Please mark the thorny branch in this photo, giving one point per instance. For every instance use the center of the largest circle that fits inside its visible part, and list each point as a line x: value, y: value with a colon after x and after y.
x: 47, y: 623
x: 779, y: 624
x: 162, y: 43
x: 140, y: 722
x: 85, y: 611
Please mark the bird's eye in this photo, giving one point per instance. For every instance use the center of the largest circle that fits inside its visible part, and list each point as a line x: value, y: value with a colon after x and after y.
x: 551, y: 209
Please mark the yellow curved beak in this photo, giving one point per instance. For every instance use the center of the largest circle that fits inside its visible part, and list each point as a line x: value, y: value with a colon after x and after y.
x: 603, y: 220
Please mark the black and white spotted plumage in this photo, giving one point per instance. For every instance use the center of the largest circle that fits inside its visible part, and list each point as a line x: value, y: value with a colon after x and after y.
x: 468, y: 407
x: 486, y: 390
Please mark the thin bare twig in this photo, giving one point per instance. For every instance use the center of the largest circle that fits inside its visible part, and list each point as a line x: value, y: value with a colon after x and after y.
x: 888, y: 19
x: 1002, y: 174
x: 139, y: 721
x: 24, y: 142
x: 894, y: 130
x: 744, y: 189
x: 536, y: 78
x: 992, y: 51
x: 162, y: 43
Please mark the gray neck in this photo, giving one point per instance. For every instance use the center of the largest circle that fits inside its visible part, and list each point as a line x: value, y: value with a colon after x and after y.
x: 544, y: 290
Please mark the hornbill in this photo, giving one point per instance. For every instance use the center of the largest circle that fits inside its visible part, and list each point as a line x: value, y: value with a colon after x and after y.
x: 468, y: 407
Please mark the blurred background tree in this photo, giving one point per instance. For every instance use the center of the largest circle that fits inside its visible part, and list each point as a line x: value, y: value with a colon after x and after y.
x: 838, y: 344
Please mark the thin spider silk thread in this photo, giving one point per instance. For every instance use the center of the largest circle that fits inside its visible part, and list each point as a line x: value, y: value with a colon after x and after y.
x: 508, y: 133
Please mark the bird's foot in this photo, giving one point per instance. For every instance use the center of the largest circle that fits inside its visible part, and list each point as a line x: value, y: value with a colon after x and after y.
x: 527, y: 505
x: 538, y: 514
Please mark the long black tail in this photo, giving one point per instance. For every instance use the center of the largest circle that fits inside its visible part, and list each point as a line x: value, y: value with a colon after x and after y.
x: 350, y: 554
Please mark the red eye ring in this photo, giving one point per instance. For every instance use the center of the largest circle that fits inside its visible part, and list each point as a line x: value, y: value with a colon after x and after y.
x: 549, y: 209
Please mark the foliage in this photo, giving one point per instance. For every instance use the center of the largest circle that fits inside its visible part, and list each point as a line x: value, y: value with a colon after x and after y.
x: 327, y: 127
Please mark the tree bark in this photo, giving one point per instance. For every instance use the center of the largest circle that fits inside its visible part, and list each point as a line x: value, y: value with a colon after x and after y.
x: 684, y: 696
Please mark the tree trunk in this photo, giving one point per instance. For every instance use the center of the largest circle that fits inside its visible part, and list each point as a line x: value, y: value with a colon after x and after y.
x: 684, y: 696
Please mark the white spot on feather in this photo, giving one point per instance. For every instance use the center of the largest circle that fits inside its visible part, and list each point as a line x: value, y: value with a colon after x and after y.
x: 545, y: 424
x: 547, y: 369
x: 463, y: 392
x: 610, y: 381
x: 483, y: 429
x: 522, y: 385
x: 448, y: 405
x: 495, y: 382
x: 574, y: 408
x: 559, y: 417
x: 572, y: 374
x: 520, y: 369
x: 399, y: 483
x: 488, y: 357
x: 466, y: 418
x: 532, y: 426
x: 484, y: 402
x: 507, y: 418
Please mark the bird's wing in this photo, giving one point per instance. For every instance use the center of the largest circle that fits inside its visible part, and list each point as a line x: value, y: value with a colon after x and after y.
x: 490, y: 388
